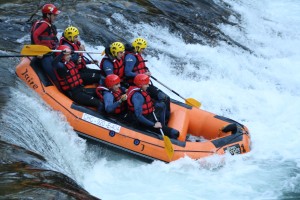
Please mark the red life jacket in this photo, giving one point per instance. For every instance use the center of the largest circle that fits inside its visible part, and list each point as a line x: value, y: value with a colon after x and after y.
x: 118, y: 66
x: 117, y: 96
x: 72, y: 80
x: 75, y: 47
x: 139, y: 67
x: 47, y: 37
x: 147, y: 107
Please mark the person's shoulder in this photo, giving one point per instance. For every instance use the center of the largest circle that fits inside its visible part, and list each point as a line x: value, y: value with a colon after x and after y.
x: 107, y: 62
x: 107, y: 93
x: 130, y: 57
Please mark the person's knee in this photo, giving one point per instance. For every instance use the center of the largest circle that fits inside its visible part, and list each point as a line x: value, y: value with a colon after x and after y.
x: 162, y: 96
x: 160, y: 106
x: 171, y: 132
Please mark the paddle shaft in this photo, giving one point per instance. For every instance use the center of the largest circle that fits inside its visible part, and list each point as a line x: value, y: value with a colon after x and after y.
x: 91, y: 52
x: 92, y: 59
x: 167, y: 142
x: 168, y: 88
x: 161, y: 131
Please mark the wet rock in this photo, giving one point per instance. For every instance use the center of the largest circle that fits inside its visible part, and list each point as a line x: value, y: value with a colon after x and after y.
x: 22, y: 177
x: 186, y: 17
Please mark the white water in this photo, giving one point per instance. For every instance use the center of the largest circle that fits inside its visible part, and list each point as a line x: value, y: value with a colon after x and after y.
x: 260, y: 90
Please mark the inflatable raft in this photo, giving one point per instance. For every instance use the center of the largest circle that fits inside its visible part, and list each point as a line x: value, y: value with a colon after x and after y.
x: 201, y: 133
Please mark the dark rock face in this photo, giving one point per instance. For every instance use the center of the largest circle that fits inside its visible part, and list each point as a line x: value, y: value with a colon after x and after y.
x: 185, y: 17
x: 22, y: 177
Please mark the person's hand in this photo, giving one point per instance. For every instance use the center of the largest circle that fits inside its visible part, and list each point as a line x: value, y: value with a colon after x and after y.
x: 95, y: 62
x: 148, y: 73
x: 157, y: 125
x: 79, y: 60
x: 123, y: 97
x: 66, y: 51
x: 82, y: 47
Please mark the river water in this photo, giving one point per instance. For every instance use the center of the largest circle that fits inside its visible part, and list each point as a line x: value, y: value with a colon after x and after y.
x: 257, y: 85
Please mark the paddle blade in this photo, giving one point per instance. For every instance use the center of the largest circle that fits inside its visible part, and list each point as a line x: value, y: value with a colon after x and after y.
x: 168, y: 147
x: 193, y: 102
x: 35, y: 50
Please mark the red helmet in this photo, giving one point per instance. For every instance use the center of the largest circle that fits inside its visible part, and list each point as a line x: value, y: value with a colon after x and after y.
x: 63, y: 47
x: 50, y: 9
x: 141, y: 79
x: 112, y: 80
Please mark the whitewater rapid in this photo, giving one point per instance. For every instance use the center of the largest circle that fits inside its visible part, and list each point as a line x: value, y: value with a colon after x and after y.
x: 259, y: 89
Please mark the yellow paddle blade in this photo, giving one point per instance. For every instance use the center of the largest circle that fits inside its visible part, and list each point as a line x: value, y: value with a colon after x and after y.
x: 35, y: 50
x: 168, y: 147
x: 193, y: 102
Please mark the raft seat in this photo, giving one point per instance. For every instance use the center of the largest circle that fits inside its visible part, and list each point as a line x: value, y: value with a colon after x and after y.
x: 179, y: 119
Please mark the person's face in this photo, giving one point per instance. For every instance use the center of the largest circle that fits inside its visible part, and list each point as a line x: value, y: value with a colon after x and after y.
x: 67, y: 56
x: 120, y: 55
x: 144, y: 87
x: 141, y: 51
x: 53, y: 17
x: 75, y: 38
x: 115, y: 87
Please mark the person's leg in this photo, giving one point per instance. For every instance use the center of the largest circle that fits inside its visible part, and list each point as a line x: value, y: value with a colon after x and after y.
x: 90, y: 78
x: 48, y: 68
x: 160, y: 112
x: 171, y: 132
x: 160, y: 96
x: 83, y: 98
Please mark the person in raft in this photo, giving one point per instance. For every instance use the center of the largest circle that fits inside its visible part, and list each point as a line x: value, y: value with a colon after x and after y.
x: 70, y: 38
x: 70, y: 80
x: 135, y: 64
x: 113, y: 96
x: 43, y: 32
x: 113, y: 61
x: 140, y: 103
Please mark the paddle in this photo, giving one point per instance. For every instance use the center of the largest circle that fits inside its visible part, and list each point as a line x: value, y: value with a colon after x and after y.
x: 168, y: 144
x: 38, y: 50
x: 93, y: 60
x: 188, y: 101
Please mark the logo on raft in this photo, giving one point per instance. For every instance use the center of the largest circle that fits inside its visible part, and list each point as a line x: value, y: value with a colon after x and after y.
x: 29, y: 80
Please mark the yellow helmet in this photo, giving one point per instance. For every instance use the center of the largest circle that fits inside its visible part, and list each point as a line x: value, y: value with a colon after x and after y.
x: 70, y: 33
x: 116, y: 47
x: 139, y: 43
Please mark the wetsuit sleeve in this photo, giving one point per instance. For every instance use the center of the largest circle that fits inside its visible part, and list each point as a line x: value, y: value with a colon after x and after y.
x: 108, y: 67
x: 41, y: 29
x: 138, y: 100
x: 130, y: 61
x: 110, y: 105
x: 60, y: 68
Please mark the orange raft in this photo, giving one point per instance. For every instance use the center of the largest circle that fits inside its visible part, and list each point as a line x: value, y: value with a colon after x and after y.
x: 201, y: 133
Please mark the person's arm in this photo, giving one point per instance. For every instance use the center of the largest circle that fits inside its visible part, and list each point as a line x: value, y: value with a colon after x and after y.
x: 138, y: 100
x: 130, y: 61
x: 110, y: 105
x: 42, y: 28
x: 75, y: 57
x: 108, y: 67
x: 60, y: 68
